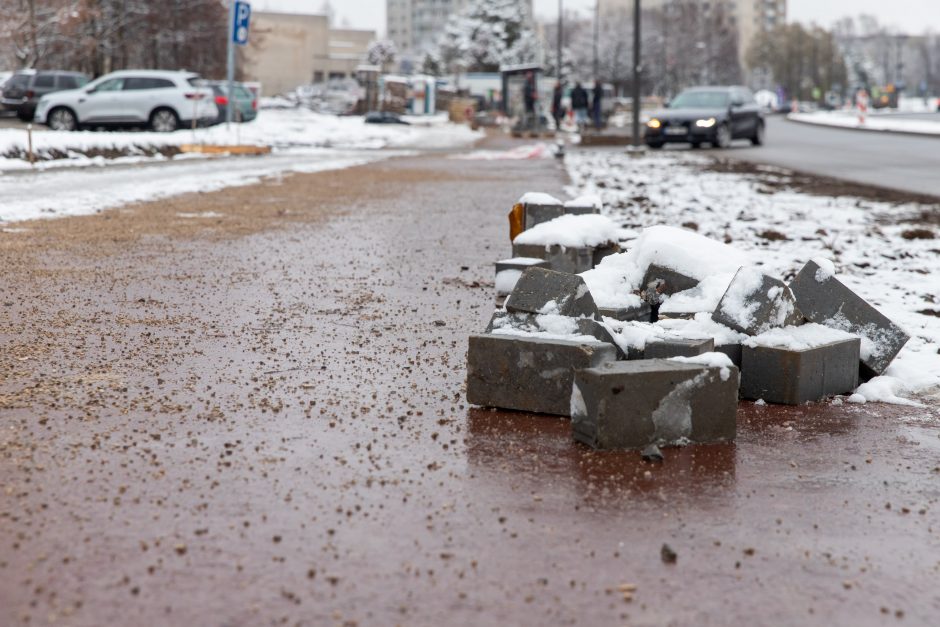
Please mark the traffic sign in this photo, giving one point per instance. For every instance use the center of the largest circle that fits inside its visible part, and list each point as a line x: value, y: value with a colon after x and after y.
x: 242, y: 15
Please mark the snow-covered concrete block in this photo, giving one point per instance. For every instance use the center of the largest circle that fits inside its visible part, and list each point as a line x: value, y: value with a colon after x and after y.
x: 793, y: 365
x: 665, y: 280
x: 540, y: 207
x: 508, y: 272
x: 640, y: 312
x: 521, y: 321
x: 560, y: 258
x: 825, y: 300
x: 662, y: 348
x: 541, y: 291
x: 755, y: 303
x: 601, y: 332
x: 528, y: 373
x: 631, y: 404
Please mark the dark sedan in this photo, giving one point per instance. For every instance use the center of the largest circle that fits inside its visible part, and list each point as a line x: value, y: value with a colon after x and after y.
x: 717, y: 115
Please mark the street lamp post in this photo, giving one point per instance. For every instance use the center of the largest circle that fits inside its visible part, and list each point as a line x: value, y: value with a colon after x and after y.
x: 637, y: 140
x: 597, y: 5
x: 561, y: 19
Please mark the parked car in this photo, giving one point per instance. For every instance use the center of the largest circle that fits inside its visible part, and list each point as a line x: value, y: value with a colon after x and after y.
x: 246, y: 105
x: 25, y: 88
x: 161, y: 100
x: 4, y: 77
x: 716, y: 115
x: 384, y: 117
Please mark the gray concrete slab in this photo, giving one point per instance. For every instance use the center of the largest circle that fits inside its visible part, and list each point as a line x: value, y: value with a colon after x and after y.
x: 631, y: 404
x: 546, y: 291
x: 527, y: 373
x: 827, y: 301
x: 791, y: 377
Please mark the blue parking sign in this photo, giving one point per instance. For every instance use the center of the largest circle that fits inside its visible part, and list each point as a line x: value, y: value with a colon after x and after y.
x: 240, y: 27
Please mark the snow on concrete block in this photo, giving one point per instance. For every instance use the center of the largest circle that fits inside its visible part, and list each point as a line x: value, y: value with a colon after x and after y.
x: 559, y: 258
x: 631, y: 404
x: 662, y: 348
x: 825, y: 300
x: 601, y: 332
x: 639, y: 312
x: 521, y: 321
x: 541, y: 291
x: 733, y: 351
x: 573, y: 231
x: 755, y: 303
x: 528, y: 373
x: 604, y: 251
x: 508, y: 272
x: 664, y: 280
x: 794, y: 365
x: 540, y: 207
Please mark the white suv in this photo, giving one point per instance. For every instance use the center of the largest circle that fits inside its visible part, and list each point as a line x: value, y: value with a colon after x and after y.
x: 164, y: 101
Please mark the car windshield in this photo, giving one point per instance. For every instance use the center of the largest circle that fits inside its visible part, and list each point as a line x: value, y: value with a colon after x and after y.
x: 18, y: 80
x: 701, y: 100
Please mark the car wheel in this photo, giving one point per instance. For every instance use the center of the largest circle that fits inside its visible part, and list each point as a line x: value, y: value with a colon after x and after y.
x: 62, y: 119
x: 758, y: 139
x: 722, y: 137
x: 655, y: 145
x: 25, y: 115
x: 164, y: 121
x: 696, y: 145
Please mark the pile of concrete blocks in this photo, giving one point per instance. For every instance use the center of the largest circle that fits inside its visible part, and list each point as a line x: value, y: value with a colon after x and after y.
x: 551, y: 335
x: 630, y: 380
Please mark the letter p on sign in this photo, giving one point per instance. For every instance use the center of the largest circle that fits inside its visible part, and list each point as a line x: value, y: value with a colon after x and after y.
x: 240, y: 27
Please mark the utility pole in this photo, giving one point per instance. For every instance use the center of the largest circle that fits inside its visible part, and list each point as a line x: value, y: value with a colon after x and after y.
x: 637, y: 140
x: 561, y: 30
x: 597, y: 10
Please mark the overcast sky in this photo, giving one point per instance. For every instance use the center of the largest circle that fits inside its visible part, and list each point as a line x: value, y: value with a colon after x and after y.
x: 913, y: 16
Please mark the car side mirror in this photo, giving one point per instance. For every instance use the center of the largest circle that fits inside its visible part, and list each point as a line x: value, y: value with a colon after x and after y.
x: 90, y: 91
x: 737, y: 102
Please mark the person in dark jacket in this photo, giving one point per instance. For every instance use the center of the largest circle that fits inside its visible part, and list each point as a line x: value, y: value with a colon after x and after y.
x: 596, y: 104
x: 579, y: 102
x: 557, y: 111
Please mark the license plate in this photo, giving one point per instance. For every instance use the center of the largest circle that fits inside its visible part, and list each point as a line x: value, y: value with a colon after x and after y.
x: 678, y: 130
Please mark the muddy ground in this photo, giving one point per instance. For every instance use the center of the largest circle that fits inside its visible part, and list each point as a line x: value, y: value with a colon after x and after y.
x: 257, y: 417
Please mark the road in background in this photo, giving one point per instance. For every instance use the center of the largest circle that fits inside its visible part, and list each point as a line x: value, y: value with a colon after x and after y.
x: 904, y: 162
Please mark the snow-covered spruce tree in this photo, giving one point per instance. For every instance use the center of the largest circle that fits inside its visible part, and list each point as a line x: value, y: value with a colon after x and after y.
x: 488, y: 34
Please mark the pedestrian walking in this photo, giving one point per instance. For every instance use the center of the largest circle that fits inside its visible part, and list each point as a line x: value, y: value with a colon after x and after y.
x: 596, y: 104
x: 579, y: 102
x: 558, y: 111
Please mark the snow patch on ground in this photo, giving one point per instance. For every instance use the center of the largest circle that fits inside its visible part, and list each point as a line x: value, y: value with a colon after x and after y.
x: 280, y: 129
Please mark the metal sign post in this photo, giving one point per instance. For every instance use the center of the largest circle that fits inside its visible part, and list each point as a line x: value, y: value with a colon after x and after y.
x: 238, y: 22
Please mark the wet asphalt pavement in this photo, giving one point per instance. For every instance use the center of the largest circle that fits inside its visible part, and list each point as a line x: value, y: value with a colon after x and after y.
x: 257, y: 417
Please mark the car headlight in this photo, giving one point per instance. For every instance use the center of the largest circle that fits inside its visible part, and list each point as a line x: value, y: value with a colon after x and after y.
x: 654, y: 123
x: 710, y: 122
